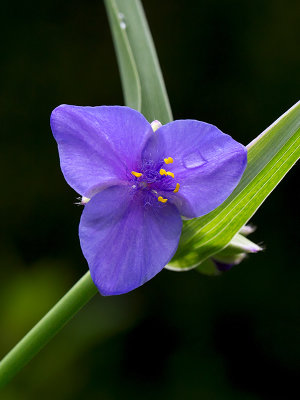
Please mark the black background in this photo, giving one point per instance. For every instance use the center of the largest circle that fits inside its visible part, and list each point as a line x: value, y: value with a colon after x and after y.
x: 231, y: 63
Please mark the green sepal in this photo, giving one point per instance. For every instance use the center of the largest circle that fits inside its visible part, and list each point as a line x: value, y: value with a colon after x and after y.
x: 234, y: 253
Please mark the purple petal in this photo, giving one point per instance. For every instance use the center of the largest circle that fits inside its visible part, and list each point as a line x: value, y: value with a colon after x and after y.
x: 124, y: 242
x: 208, y: 164
x: 222, y: 267
x: 226, y: 263
x: 98, y: 145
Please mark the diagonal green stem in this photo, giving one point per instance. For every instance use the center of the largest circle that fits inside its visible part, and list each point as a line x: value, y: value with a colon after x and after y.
x: 47, y: 327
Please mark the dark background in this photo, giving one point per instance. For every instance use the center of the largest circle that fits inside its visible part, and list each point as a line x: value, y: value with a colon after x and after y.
x: 182, y: 335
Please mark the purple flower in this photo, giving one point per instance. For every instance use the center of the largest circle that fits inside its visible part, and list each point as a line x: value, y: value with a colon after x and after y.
x: 137, y: 179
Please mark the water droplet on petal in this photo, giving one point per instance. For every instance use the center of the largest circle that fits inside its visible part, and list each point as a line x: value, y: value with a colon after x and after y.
x: 194, y: 160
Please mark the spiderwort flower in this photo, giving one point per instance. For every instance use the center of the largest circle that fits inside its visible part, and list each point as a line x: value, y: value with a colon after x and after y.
x: 136, y: 180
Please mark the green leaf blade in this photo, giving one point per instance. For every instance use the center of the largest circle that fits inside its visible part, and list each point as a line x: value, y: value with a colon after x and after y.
x: 135, y: 39
x: 129, y: 74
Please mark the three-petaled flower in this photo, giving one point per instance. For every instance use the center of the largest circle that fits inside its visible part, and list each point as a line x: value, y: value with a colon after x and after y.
x: 136, y: 180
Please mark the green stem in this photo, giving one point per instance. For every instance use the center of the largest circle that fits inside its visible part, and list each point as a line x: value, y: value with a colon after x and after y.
x: 48, y: 326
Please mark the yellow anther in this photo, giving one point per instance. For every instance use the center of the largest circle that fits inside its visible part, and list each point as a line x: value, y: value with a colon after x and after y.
x: 168, y: 160
x: 167, y: 173
x: 170, y: 174
x: 137, y: 174
x: 161, y: 199
x: 177, y: 188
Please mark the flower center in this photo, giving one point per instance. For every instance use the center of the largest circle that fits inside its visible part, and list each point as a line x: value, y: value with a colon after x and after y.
x: 157, y: 181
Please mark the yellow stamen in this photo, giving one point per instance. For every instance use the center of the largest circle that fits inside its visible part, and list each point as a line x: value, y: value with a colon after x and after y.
x: 167, y: 173
x: 161, y: 199
x: 170, y: 174
x: 137, y: 174
x: 168, y: 160
x: 177, y: 188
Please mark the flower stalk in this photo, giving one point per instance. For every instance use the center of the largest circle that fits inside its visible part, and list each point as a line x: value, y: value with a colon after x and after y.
x: 46, y: 328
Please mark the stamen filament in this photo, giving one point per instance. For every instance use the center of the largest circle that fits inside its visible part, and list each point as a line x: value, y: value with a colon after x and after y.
x: 168, y: 160
x: 177, y: 188
x: 161, y: 199
x: 136, y: 174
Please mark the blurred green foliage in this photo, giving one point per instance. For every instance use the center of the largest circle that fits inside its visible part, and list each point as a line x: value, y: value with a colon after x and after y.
x: 233, y: 64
